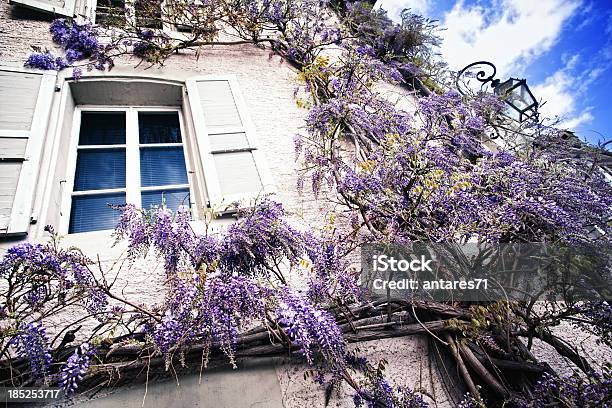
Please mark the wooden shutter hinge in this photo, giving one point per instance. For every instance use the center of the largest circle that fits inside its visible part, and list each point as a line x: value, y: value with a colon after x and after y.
x: 12, y: 159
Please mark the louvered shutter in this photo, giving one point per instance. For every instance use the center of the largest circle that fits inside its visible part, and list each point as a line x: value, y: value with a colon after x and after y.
x: 25, y: 102
x: 59, y: 7
x: 234, y: 169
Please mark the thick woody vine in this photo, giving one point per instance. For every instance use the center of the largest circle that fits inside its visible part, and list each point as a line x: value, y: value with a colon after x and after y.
x: 394, y: 177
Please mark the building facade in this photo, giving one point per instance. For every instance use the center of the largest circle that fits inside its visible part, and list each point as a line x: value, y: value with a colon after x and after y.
x: 200, y: 131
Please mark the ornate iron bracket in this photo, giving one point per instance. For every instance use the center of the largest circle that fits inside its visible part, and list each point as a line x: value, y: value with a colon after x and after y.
x: 481, y: 75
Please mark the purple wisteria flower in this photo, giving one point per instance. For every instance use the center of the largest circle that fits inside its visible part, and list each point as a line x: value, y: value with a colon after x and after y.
x: 75, y: 368
x: 210, y: 311
x: 574, y: 390
x: 46, y: 274
x: 312, y: 329
x: 78, y: 41
x: 46, y: 61
x: 376, y: 391
x: 31, y: 342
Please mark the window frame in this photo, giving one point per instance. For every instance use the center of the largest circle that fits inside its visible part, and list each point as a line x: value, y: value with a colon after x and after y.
x: 69, y: 9
x: 133, y: 186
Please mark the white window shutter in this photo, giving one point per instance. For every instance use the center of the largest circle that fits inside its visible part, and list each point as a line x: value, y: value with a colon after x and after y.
x: 234, y: 168
x: 25, y: 103
x: 59, y: 7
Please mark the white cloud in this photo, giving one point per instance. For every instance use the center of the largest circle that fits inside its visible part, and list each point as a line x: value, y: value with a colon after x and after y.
x: 394, y: 7
x: 560, y: 93
x: 511, y: 34
x: 575, y: 122
x: 556, y: 94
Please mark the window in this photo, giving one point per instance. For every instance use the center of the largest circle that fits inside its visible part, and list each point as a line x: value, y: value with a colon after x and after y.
x: 147, y: 14
x: 100, y: 174
x: 178, y: 17
x: 126, y: 155
x: 111, y: 12
x: 201, y: 152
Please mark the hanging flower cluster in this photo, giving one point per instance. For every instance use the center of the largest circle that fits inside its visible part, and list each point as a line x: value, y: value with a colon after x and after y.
x: 31, y: 343
x: 311, y: 328
x: 78, y: 41
x: 260, y: 235
x: 411, y: 40
x: 218, y: 285
x: 75, y: 368
x: 253, y: 246
x: 434, y: 178
x: 46, y: 60
x: 376, y: 390
x: 210, y: 311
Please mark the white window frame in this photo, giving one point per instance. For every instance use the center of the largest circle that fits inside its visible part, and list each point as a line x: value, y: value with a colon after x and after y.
x: 68, y: 10
x: 133, y: 187
x: 214, y: 195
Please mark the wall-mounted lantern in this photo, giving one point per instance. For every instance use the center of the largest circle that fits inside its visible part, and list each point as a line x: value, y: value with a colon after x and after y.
x: 515, y: 92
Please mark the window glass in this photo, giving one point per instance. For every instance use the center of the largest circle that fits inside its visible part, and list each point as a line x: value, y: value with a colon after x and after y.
x: 93, y: 213
x: 171, y: 198
x: 110, y: 12
x: 100, y: 169
x: 102, y: 128
x: 162, y: 166
x: 159, y: 128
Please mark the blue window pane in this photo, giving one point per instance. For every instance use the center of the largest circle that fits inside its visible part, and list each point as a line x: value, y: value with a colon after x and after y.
x: 160, y: 166
x: 92, y: 213
x: 171, y: 198
x: 159, y: 127
x: 100, y: 169
x: 102, y: 128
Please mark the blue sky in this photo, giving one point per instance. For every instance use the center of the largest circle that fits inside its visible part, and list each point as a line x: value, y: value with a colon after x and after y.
x: 562, y: 47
